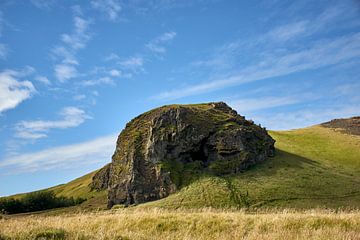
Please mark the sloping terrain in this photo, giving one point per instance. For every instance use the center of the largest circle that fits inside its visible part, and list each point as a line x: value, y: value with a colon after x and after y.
x: 313, y: 167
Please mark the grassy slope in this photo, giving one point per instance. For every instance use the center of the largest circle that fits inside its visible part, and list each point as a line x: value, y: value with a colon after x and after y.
x: 79, y: 188
x: 314, y: 167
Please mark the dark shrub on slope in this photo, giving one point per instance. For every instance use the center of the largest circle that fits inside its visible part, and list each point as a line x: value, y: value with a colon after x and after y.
x: 36, y: 201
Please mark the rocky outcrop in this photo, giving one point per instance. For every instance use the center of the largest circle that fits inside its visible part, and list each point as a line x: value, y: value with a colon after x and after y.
x: 100, y: 180
x: 157, y: 150
x: 345, y: 125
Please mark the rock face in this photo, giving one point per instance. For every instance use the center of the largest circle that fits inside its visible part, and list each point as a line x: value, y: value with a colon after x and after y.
x: 157, y: 150
x: 346, y: 125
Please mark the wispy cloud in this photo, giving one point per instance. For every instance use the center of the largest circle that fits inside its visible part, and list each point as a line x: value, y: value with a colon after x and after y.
x: 79, y: 97
x: 254, y: 104
x: 43, y: 80
x: 79, y: 37
x: 288, y: 31
x: 132, y: 62
x: 157, y: 45
x: 67, y: 67
x: 319, y: 54
x: 115, y: 73
x: 71, y: 117
x: 43, y: 4
x: 306, y: 116
x: 13, y: 91
x: 3, y: 51
x: 64, y: 72
x: 99, y: 81
x: 110, y: 8
x: 98, y: 150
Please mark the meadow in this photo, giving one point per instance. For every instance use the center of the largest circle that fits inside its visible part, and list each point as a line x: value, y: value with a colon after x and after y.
x: 185, y: 224
x: 309, y: 190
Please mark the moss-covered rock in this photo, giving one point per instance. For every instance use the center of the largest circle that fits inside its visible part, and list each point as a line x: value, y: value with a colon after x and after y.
x: 160, y: 150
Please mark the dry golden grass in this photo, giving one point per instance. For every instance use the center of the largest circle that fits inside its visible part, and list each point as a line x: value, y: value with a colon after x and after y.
x: 184, y: 224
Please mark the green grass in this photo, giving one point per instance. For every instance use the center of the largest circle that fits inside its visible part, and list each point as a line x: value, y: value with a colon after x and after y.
x: 313, y: 167
x: 78, y: 188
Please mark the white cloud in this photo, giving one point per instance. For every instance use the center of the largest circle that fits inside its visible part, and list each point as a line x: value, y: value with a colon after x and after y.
x: 157, y: 44
x: 3, y: 47
x: 288, y: 31
x: 132, y: 62
x: 73, y: 42
x: 111, y: 8
x: 71, y: 117
x: 43, y: 4
x: 115, y: 73
x: 79, y: 37
x: 306, y: 117
x: 112, y: 56
x: 3, y: 51
x: 43, y: 80
x: 64, y: 72
x: 254, y: 104
x: 12, y: 90
x: 79, y: 97
x: 99, y: 81
x: 66, y: 55
x: 98, y: 150
x: 319, y: 54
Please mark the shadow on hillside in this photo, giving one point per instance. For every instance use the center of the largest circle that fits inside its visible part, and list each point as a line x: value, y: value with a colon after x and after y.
x: 283, y: 160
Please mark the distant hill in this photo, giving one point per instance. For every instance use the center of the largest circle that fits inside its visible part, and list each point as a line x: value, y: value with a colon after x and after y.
x: 317, y: 166
x: 346, y: 125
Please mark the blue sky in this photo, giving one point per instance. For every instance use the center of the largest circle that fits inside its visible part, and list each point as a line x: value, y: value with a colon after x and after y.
x: 72, y: 73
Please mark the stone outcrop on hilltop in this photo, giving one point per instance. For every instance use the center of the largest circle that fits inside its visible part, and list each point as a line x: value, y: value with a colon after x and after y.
x: 158, y: 149
x: 346, y: 125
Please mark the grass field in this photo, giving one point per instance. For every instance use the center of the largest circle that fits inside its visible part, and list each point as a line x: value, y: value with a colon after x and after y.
x: 204, y: 224
x: 314, y: 168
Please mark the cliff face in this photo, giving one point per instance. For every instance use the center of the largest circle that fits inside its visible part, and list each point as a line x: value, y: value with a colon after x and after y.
x: 157, y: 148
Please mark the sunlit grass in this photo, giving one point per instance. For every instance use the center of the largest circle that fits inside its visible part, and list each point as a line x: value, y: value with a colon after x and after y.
x: 186, y: 224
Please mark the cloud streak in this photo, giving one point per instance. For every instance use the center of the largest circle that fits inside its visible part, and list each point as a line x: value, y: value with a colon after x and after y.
x: 71, y: 117
x: 319, y: 54
x: 110, y: 8
x: 254, y: 104
x: 157, y: 45
x: 84, y: 153
x: 67, y: 67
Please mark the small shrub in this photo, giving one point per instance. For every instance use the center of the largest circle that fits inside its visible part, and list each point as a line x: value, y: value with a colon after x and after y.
x: 51, y: 234
x: 3, y: 237
x: 36, y: 201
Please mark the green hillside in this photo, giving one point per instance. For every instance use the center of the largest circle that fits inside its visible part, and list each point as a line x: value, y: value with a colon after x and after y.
x: 78, y: 188
x: 313, y: 167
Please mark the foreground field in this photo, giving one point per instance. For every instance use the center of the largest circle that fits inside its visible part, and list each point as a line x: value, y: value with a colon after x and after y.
x: 184, y: 224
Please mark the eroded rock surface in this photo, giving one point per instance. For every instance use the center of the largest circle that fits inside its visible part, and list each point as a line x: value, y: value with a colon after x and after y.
x: 158, y: 150
x: 346, y: 125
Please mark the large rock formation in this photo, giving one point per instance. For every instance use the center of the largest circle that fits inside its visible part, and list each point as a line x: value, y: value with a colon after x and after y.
x: 156, y: 148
